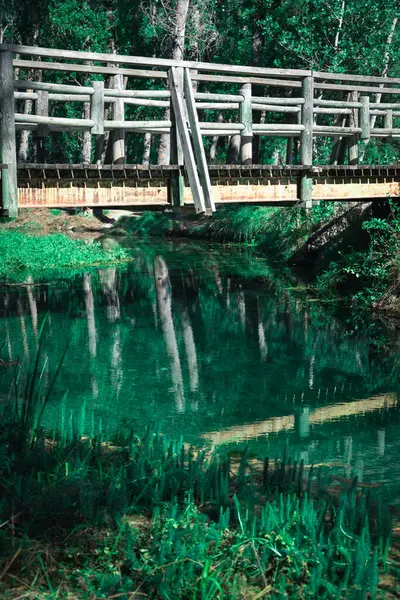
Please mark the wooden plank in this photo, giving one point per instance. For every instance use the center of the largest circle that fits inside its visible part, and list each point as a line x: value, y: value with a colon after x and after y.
x: 279, y: 101
x: 137, y: 93
x: 246, y: 118
x: 70, y: 97
x: 356, y: 88
x: 278, y: 127
x: 69, y: 68
x: 349, y: 77
x: 336, y: 103
x: 25, y: 96
x: 286, y: 83
x: 8, y: 152
x: 140, y: 102
x: 306, y: 144
x: 199, y: 153
x: 222, y: 126
x: 135, y: 125
x: 179, y: 110
x: 338, y: 130
x: 365, y: 121
x: 24, y: 84
x: 276, y: 108
x: 39, y: 120
x: 97, y: 108
x: 218, y: 97
x: 217, y: 105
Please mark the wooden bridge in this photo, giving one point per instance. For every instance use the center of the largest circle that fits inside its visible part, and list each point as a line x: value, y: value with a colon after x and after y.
x: 299, y: 105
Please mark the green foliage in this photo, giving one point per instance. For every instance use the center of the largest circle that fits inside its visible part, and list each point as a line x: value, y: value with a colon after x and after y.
x: 24, y: 254
x: 364, y: 277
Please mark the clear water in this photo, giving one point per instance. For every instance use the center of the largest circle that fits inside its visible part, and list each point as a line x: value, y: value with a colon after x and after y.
x: 209, y: 344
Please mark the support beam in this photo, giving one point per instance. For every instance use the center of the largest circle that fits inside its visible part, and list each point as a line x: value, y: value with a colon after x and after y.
x: 42, y: 131
x: 306, y: 145
x: 8, y: 153
x: 365, y: 122
x: 353, y: 123
x: 118, y: 135
x: 180, y: 116
x: 199, y: 152
x: 97, y: 108
x: 176, y: 187
x: 246, y: 118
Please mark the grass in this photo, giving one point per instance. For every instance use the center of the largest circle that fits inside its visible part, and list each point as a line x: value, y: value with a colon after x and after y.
x: 88, y: 514
x: 22, y: 253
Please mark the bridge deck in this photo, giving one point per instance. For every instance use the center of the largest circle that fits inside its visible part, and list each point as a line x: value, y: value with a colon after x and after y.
x: 137, y: 185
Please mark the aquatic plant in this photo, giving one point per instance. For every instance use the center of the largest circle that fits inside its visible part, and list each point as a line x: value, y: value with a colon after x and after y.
x: 96, y: 514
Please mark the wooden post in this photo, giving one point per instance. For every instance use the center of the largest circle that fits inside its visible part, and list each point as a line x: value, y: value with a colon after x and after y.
x: 8, y: 153
x: 41, y: 110
x: 180, y: 116
x: 199, y: 152
x: 306, y: 147
x: 97, y: 108
x: 246, y: 117
x: 176, y: 187
x: 118, y: 135
x: 365, y: 122
x: 353, y: 140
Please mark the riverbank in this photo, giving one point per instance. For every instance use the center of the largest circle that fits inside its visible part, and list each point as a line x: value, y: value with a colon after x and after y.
x: 88, y: 514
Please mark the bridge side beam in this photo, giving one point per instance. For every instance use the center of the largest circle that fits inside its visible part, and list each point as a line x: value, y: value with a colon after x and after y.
x: 8, y: 153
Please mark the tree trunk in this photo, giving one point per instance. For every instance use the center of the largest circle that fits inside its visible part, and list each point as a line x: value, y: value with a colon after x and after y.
x: 378, y: 96
x: 87, y: 136
x: 177, y: 53
x: 233, y: 149
x: 146, y: 149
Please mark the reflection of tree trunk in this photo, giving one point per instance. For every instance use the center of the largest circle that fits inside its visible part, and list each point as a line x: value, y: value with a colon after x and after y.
x: 178, y: 49
x: 117, y: 372
x: 23, y: 330
x: 163, y: 286
x: 32, y: 304
x: 190, y: 347
x: 108, y: 278
x: 89, y: 304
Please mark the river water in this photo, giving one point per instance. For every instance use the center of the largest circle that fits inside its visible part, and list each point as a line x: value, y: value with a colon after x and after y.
x: 212, y: 345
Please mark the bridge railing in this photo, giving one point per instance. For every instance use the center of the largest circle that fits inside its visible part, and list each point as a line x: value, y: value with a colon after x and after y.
x: 309, y: 104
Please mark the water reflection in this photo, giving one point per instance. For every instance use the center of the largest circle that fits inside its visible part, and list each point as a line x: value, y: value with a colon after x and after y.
x: 210, y: 344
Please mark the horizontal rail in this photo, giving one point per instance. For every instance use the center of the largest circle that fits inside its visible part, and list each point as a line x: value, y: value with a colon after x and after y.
x: 58, y: 121
x: 25, y: 84
x: 149, y: 61
x: 198, y: 66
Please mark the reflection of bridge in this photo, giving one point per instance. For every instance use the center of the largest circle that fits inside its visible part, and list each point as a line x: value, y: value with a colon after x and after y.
x: 354, y: 107
x: 306, y: 418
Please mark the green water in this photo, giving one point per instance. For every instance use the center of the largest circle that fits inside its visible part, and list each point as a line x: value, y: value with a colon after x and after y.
x: 213, y: 345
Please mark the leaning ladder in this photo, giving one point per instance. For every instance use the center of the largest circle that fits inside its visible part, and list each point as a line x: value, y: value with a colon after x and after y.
x: 189, y: 134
